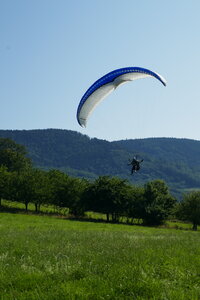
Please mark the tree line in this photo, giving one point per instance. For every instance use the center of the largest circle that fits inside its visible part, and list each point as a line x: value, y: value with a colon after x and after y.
x: 152, y: 203
x: 176, y: 161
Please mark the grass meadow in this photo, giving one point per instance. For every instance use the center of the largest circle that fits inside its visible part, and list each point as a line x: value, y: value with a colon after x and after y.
x: 50, y: 258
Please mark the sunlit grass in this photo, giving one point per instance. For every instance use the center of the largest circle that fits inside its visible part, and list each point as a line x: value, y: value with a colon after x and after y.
x: 46, y: 209
x: 45, y: 257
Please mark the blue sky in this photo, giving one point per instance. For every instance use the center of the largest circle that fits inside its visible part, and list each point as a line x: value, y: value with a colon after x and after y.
x: 51, y: 51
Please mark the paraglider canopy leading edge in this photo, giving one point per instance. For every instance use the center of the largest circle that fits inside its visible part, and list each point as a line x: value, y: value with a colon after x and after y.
x: 108, y: 83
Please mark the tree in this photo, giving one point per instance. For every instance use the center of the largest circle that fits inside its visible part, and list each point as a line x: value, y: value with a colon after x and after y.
x: 30, y: 186
x: 41, y: 190
x: 74, y: 194
x: 58, y: 182
x: 136, y: 204
x: 158, y: 203
x: 109, y: 196
x: 4, y: 183
x: 189, y: 208
x: 67, y: 191
x: 22, y: 187
x: 13, y: 156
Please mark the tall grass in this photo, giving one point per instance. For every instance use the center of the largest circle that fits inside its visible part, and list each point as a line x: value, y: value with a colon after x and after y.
x: 50, y: 258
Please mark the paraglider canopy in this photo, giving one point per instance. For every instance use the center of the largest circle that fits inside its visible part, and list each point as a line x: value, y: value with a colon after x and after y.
x: 108, y: 83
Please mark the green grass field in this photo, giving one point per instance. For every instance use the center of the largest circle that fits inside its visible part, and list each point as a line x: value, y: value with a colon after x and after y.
x: 44, y: 257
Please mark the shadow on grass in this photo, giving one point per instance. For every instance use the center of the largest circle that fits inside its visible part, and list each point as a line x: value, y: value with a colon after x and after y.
x: 13, y: 210
x: 99, y: 220
x: 17, y: 210
x: 161, y: 226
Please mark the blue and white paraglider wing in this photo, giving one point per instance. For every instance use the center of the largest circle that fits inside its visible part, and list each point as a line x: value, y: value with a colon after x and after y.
x: 105, y: 85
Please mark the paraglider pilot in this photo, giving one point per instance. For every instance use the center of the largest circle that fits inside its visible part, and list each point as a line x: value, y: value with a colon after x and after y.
x: 135, y: 164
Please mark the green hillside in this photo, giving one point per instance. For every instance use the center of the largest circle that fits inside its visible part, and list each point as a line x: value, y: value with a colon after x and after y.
x: 177, y: 161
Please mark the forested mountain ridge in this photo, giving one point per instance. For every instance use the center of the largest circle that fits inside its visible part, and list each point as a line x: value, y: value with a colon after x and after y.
x: 177, y: 161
